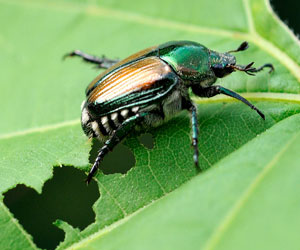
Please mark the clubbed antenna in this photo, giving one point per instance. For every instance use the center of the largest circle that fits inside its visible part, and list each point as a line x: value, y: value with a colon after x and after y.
x: 248, y: 69
x: 244, y: 45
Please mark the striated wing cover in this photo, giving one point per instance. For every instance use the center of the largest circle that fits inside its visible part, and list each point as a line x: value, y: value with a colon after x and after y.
x: 138, y: 55
x: 138, y: 83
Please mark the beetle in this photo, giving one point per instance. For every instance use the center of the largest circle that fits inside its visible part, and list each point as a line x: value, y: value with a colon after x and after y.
x: 151, y: 86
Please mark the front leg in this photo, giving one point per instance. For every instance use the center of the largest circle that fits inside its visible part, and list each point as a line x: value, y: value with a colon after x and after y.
x: 118, y: 135
x: 216, y: 90
x: 194, y: 122
x: 195, y: 131
x: 102, y: 62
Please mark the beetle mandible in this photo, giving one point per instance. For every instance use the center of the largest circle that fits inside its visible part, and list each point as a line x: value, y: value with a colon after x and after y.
x: 152, y: 86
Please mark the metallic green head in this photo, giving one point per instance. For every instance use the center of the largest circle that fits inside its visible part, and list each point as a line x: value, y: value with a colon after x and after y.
x: 223, y: 64
x: 195, y: 63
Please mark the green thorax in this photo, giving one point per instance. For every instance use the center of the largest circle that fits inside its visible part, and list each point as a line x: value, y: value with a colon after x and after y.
x: 190, y: 60
x: 221, y: 60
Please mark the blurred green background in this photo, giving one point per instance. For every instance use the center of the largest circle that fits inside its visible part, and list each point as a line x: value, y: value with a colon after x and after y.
x: 37, y: 212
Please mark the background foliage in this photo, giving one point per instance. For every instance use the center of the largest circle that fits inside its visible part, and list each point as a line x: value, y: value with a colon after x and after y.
x: 246, y: 200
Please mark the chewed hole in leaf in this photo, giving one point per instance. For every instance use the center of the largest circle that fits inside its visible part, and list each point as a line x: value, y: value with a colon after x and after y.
x: 65, y: 197
x: 120, y: 160
x: 147, y: 140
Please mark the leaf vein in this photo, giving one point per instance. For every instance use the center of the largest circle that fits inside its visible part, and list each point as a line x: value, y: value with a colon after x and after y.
x: 237, y: 207
x: 254, y: 37
x: 154, y: 176
x: 18, y: 226
x: 113, y: 198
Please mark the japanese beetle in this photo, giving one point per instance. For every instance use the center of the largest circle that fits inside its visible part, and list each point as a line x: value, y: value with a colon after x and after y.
x: 152, y: 86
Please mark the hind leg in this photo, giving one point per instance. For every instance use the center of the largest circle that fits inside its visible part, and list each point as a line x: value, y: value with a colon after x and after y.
x: 102, y: 62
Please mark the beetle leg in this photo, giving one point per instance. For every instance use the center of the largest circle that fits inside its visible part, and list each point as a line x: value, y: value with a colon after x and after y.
x: 188, y: 105
x: 102, y: 62
x: 193, y: 112
x: 118, y: 135
x: 216, y: 90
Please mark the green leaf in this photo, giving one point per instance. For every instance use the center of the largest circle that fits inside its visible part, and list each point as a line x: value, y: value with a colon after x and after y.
x: 248, y: 195
x: 242, y: 203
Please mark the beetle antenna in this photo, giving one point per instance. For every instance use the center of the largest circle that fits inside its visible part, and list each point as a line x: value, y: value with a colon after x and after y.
x: 244, y: 45
x: 267, y: 65
x: 248, y: 69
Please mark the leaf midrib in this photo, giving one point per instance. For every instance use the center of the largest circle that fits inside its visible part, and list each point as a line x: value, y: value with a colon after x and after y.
x: 253, y: 96
x: 40, y: 129
x: 238, y: 205
x: 218, y: 233
x: 252, y: 35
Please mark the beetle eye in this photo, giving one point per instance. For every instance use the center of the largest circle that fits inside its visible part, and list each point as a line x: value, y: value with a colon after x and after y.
x: 222, y: 71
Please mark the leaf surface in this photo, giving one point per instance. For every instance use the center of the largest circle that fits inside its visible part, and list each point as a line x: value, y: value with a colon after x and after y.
x: 41, y: 98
